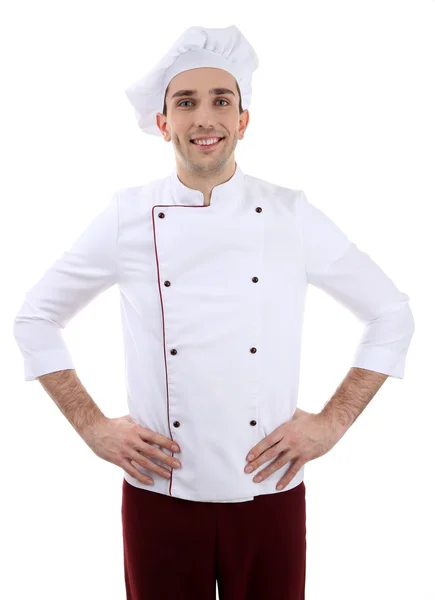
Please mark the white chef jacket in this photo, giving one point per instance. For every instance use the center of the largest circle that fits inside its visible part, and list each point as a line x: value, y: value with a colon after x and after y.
x: 212, y: 304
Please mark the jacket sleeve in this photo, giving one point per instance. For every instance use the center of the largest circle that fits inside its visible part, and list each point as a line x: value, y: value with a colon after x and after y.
x: 85, y: 270
x: 338, y: 267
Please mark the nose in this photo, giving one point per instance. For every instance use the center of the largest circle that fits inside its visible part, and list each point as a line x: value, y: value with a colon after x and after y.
x: 205, y: 119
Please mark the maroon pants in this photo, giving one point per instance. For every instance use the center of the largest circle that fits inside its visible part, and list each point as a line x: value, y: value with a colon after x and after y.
x: 176, y: 549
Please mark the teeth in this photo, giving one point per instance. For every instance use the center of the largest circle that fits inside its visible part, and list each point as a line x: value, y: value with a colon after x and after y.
x: 206, y: 142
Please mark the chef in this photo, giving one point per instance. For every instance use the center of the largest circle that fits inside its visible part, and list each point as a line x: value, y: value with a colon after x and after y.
x: 212, y: 267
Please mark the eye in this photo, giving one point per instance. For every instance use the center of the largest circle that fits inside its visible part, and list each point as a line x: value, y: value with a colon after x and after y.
x: 218, y: 100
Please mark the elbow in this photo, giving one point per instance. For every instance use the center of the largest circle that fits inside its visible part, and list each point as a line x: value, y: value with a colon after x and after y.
x: 394, y: 326
x: 398, y: 323
x: 404, y: 319
x: 409, y: 323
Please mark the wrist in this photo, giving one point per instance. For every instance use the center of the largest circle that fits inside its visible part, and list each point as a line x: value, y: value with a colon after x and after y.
x: 94, y: 420
x: 333, y: 428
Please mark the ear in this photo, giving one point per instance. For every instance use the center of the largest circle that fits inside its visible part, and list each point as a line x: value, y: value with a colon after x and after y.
x: 162, y: 124
x: 244, y: 120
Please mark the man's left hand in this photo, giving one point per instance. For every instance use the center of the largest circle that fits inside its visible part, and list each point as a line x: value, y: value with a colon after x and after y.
x: 305, y: 437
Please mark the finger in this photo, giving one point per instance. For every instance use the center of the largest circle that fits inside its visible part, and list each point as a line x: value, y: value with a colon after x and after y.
x: 263, y: 458
x: 157, y: 438
x: 131, y: 470
x: 267, y: 442
x: 281, y: 461
x: 290, y: 473
x: 156, y: 454
x: 149, y: 464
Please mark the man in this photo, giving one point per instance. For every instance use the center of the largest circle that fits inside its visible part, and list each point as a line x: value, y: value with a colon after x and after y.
x: 213, y: 267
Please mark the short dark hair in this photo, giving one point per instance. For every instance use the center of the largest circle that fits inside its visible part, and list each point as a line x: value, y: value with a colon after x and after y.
x: 164, y: 111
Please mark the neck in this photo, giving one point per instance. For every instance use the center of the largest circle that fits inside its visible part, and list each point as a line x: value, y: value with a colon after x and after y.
x: 206, y: 181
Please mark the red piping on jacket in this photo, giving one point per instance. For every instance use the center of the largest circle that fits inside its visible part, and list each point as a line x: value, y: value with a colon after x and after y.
x: 163, y: 311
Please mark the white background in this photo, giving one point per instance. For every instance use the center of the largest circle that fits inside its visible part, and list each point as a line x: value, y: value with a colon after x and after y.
x: 343, y: 108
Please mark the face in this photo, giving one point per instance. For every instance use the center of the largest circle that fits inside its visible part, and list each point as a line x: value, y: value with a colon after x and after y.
x: 203, y: 114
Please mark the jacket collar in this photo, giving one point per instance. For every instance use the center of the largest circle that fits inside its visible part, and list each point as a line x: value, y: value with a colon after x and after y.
x: 225, y: 196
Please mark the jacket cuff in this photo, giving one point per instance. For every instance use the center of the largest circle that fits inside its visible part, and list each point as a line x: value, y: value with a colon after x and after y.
x: 45, y: 362
x: 381, y: 360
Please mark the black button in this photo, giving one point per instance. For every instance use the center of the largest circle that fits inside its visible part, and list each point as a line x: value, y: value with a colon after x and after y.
x: 176, y: 423
x: 173, y: 351
x: 161, y: 215
x: 167, y: 283
x: 258, y: 209
x: 253, y: 422
x: 255, y: 279
x: 253, y: 350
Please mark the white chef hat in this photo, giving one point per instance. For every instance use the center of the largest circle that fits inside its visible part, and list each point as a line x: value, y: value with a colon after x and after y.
x: 223, y: 48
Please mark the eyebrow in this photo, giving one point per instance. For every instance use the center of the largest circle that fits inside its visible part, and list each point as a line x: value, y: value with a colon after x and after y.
x: 215, y: 91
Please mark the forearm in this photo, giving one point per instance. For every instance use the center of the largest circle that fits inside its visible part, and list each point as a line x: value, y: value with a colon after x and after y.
x: 69, y: 394
x: 351, y: 397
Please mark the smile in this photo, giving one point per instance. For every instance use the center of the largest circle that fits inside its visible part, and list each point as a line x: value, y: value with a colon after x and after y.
x: 205, y: 147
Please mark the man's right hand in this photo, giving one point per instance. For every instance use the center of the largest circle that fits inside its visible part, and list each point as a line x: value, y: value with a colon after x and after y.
x: 122, y: 440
